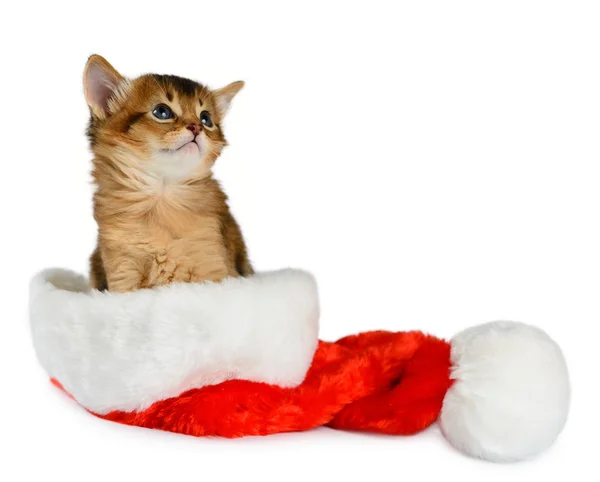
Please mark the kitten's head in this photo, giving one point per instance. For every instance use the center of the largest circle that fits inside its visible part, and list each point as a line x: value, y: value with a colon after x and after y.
x: 162, y: 125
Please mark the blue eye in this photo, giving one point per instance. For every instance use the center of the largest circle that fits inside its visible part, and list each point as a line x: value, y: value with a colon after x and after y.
x: 205, y: 119
x: 162, y: 112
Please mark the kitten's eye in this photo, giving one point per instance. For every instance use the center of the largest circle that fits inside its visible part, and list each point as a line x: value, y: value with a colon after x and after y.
x: 205, y: 119
x: 162, y: 112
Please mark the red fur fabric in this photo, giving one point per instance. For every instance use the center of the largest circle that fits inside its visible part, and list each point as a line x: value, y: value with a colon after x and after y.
x: 377, y: 381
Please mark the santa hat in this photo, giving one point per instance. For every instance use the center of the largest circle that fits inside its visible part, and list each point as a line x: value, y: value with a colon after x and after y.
x: 242, y: 357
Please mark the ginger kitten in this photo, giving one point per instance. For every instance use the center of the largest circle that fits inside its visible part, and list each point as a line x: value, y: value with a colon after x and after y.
x: 161, y: 216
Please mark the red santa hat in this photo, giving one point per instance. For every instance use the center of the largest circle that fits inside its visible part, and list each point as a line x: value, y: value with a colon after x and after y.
x: 242, y: 357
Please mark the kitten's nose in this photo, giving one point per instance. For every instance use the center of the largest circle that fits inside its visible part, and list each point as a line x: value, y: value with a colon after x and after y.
x: 195, y: 128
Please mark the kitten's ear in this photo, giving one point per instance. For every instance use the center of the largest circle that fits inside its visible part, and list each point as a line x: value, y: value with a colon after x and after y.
x: 100, y: 79
x: 224, y: 95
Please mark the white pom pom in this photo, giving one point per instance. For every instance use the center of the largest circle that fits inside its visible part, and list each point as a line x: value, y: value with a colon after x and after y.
x: 510, y: 396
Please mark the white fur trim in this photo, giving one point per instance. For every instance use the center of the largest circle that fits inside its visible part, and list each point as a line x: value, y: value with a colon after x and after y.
x: 125, y: 351
x: 510, y: 396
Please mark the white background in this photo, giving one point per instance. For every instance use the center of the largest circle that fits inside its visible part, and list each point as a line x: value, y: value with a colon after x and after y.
x: 435, y: 164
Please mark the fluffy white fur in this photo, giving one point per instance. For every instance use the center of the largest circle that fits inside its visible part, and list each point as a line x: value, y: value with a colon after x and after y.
x: 126, y: 351
x: 180, y: 164
x: 510, y: 397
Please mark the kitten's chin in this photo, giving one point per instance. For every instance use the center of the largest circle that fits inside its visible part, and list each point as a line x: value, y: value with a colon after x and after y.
x: 189, y: 148
x: 185, y: 163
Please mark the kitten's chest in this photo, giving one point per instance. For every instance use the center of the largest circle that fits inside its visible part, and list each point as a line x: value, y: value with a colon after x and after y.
x: 177, y: 233
x: 178, y: 249
x: 163, y: 233
x: 182, y: 238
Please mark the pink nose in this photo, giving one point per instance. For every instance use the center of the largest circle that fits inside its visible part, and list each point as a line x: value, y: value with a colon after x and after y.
x: 195, y: 128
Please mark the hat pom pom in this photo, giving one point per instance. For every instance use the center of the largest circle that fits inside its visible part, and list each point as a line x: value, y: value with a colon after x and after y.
x: 510, y: 394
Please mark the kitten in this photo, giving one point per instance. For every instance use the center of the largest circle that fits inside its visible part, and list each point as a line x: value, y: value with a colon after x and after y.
x: 161, y: 216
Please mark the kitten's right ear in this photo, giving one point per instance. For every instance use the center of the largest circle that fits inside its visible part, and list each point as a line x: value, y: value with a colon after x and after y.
x: 100, y: 79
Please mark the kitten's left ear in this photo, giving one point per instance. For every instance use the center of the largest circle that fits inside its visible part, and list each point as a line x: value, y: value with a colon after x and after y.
x: 224, y: 95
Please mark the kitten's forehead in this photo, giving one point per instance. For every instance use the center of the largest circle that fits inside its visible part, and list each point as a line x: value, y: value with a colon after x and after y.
x: 172, y: 85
